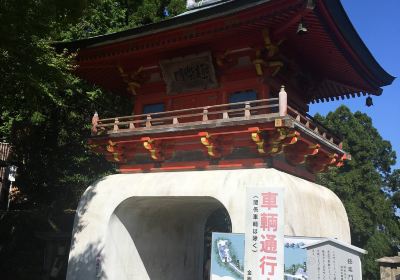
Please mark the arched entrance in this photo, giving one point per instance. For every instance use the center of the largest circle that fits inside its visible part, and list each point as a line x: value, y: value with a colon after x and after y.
x: 163, y: 238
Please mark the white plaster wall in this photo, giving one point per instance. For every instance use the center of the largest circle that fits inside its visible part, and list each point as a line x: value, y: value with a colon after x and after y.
x: 310, y: 210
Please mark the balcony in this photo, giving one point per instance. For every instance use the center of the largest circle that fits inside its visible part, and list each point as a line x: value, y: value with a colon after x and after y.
x: 270, y: 126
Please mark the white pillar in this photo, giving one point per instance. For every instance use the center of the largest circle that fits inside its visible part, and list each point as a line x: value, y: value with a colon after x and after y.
x: 282, y: 102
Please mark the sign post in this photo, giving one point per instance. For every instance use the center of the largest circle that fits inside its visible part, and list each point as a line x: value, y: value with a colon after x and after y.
x: 264, y: 237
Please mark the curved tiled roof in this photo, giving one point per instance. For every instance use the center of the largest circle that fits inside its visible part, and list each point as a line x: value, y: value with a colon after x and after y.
x: 351, y: 69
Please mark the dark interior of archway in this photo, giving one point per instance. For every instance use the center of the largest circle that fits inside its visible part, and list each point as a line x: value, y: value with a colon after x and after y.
x: 217, y: 221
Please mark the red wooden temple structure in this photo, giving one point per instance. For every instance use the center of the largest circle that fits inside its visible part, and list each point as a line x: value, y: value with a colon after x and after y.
x: 228, y: 85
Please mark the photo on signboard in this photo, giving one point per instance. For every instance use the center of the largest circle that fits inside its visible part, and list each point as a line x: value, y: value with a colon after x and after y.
x: 296, y: 257
x: 227, y: 256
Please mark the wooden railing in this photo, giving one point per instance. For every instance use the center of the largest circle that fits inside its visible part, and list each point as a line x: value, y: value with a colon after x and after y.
x: 311, y: 124
x: 222, y: 112
x: 240, y: 111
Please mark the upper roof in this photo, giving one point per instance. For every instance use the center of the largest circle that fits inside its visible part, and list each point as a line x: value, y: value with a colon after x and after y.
x: 331, y: 50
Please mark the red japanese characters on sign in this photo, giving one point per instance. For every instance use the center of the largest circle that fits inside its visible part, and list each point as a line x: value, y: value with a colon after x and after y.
x: 269, y: 226
x: 264, y: 234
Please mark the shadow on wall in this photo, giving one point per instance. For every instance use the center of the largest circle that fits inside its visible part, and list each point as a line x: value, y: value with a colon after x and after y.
x: 83, y: 263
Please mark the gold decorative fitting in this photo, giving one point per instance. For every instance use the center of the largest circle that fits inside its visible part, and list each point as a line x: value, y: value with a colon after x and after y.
x: 258, y: 139
x: 259, y: 63
x: 116, y: 157
x: 133, y: 79
x: 210, y: 144
x: 111, y: 146
x: 272, y: 50
x: 153, y: 148
x: 278, y: 123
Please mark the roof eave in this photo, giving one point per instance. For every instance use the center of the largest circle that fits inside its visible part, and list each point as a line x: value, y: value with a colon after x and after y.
x: 351, y: 36
x: 196, y: 16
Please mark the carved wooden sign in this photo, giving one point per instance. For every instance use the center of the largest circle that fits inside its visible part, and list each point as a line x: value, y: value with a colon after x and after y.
x: 189, y: 73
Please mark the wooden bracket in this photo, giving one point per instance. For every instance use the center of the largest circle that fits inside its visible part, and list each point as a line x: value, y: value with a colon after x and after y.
x: 280, y: 138
x: 210, y: 144
x: 133, y: 80
x: 298, y: 153
x: 321, y: 162
x: 259, y: 63
x: 291, y: 138
x: 153, y: 147
x: 272, y: 50
x: 258, y: 139
x: 341, y: 160
x: 115, y: 152
x: 287, y: 136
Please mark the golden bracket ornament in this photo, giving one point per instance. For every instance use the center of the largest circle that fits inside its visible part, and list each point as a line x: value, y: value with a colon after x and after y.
x: 272, y: 50
x: 258, y: 139
x: 260, y: 64
x: 210, y: 144
x: 116, y: 154
x: 133, y: 79
x: 153, y: 147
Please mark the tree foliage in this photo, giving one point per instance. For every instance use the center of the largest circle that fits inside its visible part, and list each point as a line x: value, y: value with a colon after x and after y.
x: 45, y: 112
x: 363, y: 184
x: 45, y: 109
x: 107, y: 16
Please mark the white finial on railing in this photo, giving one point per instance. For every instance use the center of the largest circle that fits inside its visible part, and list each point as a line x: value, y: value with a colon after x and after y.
x: 247, y: 113
x: 95, y: 121
x: 282, y: 102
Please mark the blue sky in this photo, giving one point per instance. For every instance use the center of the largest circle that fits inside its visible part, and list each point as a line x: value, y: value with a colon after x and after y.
x: 378, y: 24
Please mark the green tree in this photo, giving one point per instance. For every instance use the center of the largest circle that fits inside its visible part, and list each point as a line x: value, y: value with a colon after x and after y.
x: 45, y: 109
x: 362, y: 184
x: 45, y: 113
x: 107, y: 16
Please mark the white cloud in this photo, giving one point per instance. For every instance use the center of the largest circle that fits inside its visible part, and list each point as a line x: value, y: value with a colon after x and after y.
x: 216, y: 277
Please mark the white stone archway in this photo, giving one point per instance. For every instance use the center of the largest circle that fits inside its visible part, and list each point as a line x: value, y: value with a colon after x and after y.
x: 120, y: 220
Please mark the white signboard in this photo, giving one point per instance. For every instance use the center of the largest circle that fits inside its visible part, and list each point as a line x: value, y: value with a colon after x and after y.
x: 264, y: 238
x: 329, y: 262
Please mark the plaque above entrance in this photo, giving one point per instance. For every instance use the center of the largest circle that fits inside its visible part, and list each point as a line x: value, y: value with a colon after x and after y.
x: 189, y: 73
